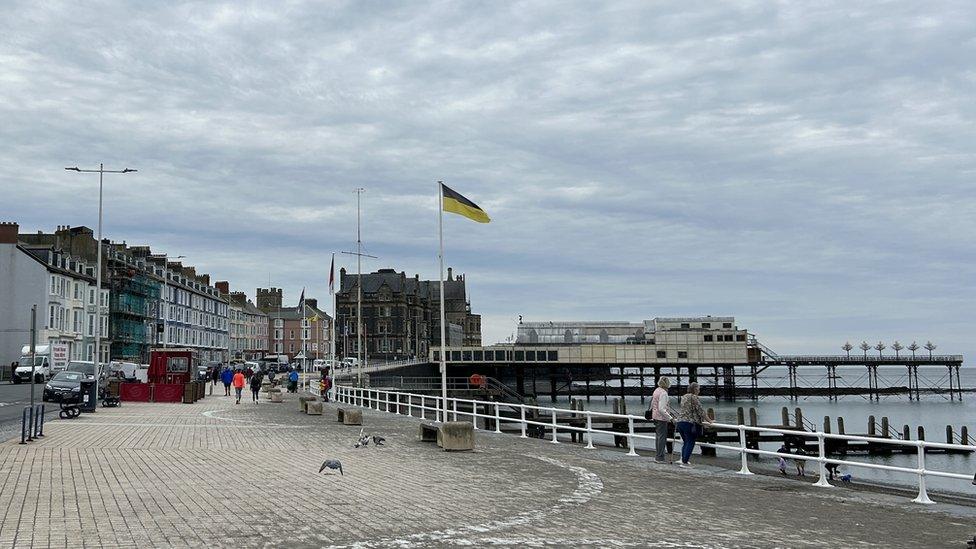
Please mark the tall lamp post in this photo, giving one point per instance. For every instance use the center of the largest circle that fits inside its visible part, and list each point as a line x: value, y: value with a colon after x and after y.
x: 101, y: 171
x: 162, y: 299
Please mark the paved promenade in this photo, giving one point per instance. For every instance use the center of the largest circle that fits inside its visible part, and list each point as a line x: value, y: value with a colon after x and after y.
x: 214, y: 474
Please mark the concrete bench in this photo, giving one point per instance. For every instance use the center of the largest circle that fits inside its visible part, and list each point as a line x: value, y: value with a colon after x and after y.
x: 305, y: 399
x: 349, y: 416
x: 428, y: 432
x: 313, y: 408
x: 456, y: 436
x: 276, y: 397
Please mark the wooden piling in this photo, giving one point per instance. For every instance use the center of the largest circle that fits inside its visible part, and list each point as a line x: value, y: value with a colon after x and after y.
x: 786, y: 416
x: 642, y: 384
x: 964, y: 434
x: 906, y: 433
x: 884, y: 427
x: 798, y: 413
x: 740, y: 416
x: 826, y: 424
x: 840, y: 425
x: 753, y: 417
x: 949, y: 434
x: 921, y: 433
x: 871, y: 429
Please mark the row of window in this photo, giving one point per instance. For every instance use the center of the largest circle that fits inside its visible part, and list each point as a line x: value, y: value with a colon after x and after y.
x: 305, y: 334
x: 73, y: 320
x: 724, y: 337
x: 705, y: 325
x: 67, y: 288
x: 192, y: 336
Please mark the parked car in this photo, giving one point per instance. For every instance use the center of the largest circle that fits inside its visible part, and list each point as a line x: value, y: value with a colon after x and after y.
x: 65, y: 385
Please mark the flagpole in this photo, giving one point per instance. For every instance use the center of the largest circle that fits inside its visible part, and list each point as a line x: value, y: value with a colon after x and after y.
x: 440, y: 256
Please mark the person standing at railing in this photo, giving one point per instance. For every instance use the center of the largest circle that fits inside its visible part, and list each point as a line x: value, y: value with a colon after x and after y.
x: 691, y: 422
x: 661, y: 418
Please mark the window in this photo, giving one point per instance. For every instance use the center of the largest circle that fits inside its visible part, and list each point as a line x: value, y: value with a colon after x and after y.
x: 437, y: 356
x: 519, y: 356
x: 291, y: 334
x: 685, y: 325
x: 51, y: 317
x: 90, y: 331
x: 728, y: 337
x: 54, y: 284
x: 77, y: 293
x: 706, y: 324
x: 707, y: 337
x: 553, y: 356
x: 530, y: 356
x: 91, y: 299
x: 682, y: 354
x: 305, y: 334
x: 727, y: 325
x: 76, y: 324
x: 479, y: 356
x: 466, y: 356
x: 662, y: 354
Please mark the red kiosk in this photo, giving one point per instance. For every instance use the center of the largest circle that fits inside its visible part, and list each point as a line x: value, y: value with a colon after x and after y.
x: 170, y: 369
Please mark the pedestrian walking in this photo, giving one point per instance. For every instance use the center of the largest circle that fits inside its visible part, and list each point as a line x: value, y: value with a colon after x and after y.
x: 248, y: 373
x: 227, y: 377
x: 13, y: 370
x: 691, y: 422
x: 661, y: 417
x: 214, y: 377
x: 800, y: 463
x: 784, y: 449
x: 293, y: 381
x: 238, y: 385
x: 255, y: 386
x: 326, y: 387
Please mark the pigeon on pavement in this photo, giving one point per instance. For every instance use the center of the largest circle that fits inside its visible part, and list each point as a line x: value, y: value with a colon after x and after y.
x: 378, y: 440
x: 331, y: 464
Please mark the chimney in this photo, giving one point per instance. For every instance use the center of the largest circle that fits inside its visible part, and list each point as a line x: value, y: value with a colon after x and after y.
x: 222, y: 286
x: 450, y: 272
x: 206, y: 279
x: 311, y: 302
x: 8, y: 232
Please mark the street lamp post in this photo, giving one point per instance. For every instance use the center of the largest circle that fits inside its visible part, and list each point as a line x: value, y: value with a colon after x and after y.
x: 101, y: 171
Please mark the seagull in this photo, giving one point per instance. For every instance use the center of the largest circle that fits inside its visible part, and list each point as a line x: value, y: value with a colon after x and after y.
x: 363, y: 439
x: 331, y: 464
x: 378, y: 440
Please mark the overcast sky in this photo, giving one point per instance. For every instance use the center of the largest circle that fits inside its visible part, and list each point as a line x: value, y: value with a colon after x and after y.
x: 808, y: 169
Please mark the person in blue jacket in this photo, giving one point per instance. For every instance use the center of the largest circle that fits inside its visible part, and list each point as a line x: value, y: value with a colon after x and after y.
x: 293, y: 381
x: 227, y: 377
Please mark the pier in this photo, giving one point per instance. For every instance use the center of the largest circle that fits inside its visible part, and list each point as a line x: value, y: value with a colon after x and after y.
x: 629, y: 370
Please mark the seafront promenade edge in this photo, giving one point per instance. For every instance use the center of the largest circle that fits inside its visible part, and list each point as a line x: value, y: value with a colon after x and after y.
x: 218, y: 474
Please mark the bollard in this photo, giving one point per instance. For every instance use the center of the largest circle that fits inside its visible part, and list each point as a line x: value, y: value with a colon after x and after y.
x: 42, y: 419
x: 30, y: 424
x: 37, y: 421
x: 23, y: 427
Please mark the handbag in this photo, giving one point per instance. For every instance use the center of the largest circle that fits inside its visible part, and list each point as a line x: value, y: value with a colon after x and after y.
x: 648, y: 415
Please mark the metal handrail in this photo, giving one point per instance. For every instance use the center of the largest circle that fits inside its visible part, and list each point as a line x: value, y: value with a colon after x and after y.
x: 367, y: 398
x: 857, y: 359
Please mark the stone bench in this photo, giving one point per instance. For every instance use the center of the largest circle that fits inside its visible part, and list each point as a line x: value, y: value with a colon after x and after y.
x: 276, y: 397
x: 456, y: 436
x: 304, y: 400
x: 349, y: 416
x: 428, y: 432
x: 313, y: 408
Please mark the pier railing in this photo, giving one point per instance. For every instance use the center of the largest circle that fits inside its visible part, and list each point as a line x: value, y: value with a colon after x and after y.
x: 544, y: 420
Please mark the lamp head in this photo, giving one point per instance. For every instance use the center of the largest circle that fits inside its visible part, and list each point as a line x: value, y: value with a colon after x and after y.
x: 74, y: 169
x: 129, y: 170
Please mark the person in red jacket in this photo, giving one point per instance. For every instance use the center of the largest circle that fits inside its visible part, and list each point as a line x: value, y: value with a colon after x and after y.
x: 238, y: 385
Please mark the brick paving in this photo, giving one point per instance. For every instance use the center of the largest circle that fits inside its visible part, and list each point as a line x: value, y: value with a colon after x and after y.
x: 216, y: 474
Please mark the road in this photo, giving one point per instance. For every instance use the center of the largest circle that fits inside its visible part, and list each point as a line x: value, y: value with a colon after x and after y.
x: 13, y: 399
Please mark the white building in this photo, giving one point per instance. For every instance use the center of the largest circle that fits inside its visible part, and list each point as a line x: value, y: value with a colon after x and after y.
x: 62, y: 287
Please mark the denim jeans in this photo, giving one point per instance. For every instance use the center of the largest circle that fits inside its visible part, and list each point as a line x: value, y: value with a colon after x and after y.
x: 660, y: 438
x: 689, y: 433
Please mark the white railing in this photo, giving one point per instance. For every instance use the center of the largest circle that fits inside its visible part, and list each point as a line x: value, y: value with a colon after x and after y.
x: 546, y: 419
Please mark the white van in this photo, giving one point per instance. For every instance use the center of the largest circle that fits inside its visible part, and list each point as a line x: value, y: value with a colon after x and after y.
x: 42, y: 364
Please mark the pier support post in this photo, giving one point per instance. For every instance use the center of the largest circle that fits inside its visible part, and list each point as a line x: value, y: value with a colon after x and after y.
x: 588, y: 384
x: 621, y: 371
x: 552, y: 383
x: 642, y: 384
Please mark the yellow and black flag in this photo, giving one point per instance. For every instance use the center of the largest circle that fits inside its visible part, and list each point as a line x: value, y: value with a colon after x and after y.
x: 455, y: 203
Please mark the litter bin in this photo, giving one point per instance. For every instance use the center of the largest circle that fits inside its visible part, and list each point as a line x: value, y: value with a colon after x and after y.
x: 87, y: 397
